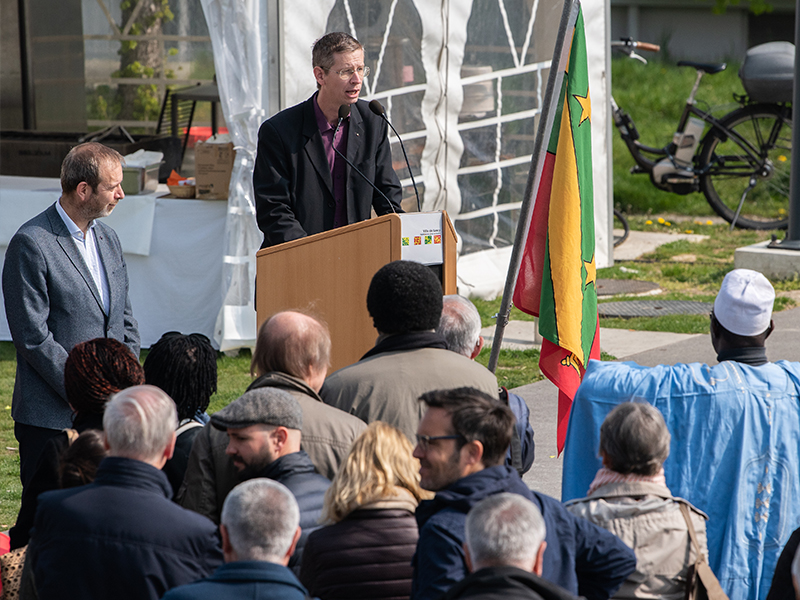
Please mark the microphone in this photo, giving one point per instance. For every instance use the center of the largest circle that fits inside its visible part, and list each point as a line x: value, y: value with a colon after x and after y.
x: 377, y: 108
x: 344, y: 112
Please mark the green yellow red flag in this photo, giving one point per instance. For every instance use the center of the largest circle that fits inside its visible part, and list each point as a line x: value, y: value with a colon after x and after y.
x: 557, y: 275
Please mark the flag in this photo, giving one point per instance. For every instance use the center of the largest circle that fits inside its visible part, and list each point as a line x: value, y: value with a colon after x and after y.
x: 557, y: 278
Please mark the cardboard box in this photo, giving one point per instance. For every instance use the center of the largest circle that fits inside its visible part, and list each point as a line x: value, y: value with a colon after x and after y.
x: 140, y: 180
x: 213, y: 164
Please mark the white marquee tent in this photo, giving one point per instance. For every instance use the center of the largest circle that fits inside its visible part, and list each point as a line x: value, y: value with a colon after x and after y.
x: 461, y: 80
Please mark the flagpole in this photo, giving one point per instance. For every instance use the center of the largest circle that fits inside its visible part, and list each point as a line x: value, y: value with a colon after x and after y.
x: 568, y: 18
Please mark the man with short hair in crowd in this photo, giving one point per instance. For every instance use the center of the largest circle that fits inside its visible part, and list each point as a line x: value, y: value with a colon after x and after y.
x: 292, y: 353
x: 504, y: 550
x: 461, y: 327
x: 121, y: 537
x: 405, y: 302
x: 264, y: 435
x: 461, y: 444
x: 734, y: 434
x: 260, y: 529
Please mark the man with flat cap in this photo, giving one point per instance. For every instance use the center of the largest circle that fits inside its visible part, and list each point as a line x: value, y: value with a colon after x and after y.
x: 735, y: 446
x: 263, y: 427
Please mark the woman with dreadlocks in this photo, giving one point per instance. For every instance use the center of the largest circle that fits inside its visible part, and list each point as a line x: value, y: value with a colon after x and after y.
x: 185, y: 367
x: 93, y: 372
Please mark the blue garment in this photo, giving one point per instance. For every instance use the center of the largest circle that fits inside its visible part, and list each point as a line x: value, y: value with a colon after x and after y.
x: 582, y: 558
x: 735, y: 453
x: 251, y: 579
x: 119, y: 537
x: 297, y: 472
x: 523, y: 430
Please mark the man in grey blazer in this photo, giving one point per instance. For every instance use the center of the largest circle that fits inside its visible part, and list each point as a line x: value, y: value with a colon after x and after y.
x: 64, y: 282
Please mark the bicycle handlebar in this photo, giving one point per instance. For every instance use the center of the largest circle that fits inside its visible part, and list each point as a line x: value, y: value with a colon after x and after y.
x: 632, y: 44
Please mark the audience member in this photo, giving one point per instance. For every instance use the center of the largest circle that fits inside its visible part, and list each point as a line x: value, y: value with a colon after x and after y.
x: 121, y: 537
x: 292, y: 353
x: 630, y: 498
x: 734, y: 432
x: 94, y: 371
x: 782, y: 587
x: 79, y: 462
x: 461, y: 327
x: 260, y: 529
x: 366, y: 550
x: 185, y: 367
x: 462, y: 441
x: 405, y: 302
x: 264, y: 430
x: 504, y: 549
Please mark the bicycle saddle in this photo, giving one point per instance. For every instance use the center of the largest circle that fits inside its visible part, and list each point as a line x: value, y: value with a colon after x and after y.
x: 705, y: 67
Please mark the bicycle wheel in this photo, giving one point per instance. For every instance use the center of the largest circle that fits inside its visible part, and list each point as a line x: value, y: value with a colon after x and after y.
x: 756, y: 166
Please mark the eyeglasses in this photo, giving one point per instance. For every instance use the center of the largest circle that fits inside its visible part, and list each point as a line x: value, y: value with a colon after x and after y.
x: 345, y: 74
x: 424, y: 441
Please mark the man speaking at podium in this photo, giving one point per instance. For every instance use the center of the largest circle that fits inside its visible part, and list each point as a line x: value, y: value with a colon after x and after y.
x: 301, y: 181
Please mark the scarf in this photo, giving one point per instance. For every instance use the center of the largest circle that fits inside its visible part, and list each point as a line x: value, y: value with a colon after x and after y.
x: 605, y: 476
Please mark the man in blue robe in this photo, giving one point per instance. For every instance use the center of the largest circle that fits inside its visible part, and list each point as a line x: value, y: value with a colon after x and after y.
x: 735, y: 426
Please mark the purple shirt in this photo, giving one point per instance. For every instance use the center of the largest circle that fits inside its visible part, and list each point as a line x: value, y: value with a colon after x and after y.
x: 337, y: 165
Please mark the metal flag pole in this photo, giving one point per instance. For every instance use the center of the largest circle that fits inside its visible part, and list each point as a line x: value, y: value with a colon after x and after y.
x: 569, y: 16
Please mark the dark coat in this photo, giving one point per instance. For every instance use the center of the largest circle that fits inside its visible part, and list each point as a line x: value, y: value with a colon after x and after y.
x: 292, y: 178
x: 52, y: 304
x: 119, y: 537
x: 297, y: 473
x: 250, y: 579
x: 506, y: 583
x: 45, y: 477
x: 580, y: 557
x: 366, y: 555
x: 175, y: 468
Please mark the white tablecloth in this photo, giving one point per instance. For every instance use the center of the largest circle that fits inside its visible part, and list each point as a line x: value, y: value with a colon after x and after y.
x: 173, y: 249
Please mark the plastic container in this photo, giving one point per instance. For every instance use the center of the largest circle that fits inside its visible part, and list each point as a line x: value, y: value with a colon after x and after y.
x: 767, y: 72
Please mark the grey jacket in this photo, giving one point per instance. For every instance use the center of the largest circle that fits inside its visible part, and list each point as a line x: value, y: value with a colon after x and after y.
x: 327, y: 436
x: 52, y: 304
x: 385, y: 387
x: 648, y: 519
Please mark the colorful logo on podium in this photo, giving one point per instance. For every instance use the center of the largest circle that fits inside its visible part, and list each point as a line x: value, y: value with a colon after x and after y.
x: 428, y: 239
x: 437, y: 239
x: 417, y: 240
x: 404, y: 241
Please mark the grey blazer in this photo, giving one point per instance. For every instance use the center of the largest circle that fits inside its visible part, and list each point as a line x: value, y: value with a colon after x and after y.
x: 52, y: 304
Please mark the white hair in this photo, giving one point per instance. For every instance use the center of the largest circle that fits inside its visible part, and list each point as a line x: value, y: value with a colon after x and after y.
x: 504, y: 529
x: 460, y: 324
x: 139, y: 422
x: 261, y: 516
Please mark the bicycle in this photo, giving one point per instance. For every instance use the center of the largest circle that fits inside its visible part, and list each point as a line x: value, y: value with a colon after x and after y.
x: 742, y: 164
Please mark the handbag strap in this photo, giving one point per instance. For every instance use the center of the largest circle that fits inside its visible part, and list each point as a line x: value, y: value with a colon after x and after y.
x: 692, y: 533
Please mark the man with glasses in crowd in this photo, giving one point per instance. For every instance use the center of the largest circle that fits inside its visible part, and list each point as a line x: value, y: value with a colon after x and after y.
x: 302, y: 186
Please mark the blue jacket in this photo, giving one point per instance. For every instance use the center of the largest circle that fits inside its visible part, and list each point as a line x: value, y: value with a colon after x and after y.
x: 735, y: 453
x: 297, y: 472
x: 119, y: 537
x: 523, y: 434
x: 251, y: 579
x: 580, y: 557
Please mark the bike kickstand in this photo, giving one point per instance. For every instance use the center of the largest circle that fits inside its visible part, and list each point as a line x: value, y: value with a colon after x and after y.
x: 753, y: 182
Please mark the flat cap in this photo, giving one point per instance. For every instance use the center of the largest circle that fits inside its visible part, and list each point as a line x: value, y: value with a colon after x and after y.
x: 261, y: 406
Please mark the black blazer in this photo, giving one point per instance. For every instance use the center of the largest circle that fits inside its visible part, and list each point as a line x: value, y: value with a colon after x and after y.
x: 292, y: 178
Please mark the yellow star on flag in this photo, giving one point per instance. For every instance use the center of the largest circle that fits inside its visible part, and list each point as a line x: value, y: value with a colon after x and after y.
x: 591, y: 271
x: 586, y: 107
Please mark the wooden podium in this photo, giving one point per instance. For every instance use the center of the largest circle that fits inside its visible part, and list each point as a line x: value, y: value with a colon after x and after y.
x: 329, y: 273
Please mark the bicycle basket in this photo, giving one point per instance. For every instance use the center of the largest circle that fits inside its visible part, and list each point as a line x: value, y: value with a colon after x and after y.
x: 767, y: 72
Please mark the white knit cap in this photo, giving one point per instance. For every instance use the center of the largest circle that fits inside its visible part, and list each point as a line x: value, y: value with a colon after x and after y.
x: 744, y: 303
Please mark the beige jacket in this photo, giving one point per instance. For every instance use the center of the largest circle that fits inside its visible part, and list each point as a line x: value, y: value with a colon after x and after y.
x: 648, y: 519
x: 385, y: 387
